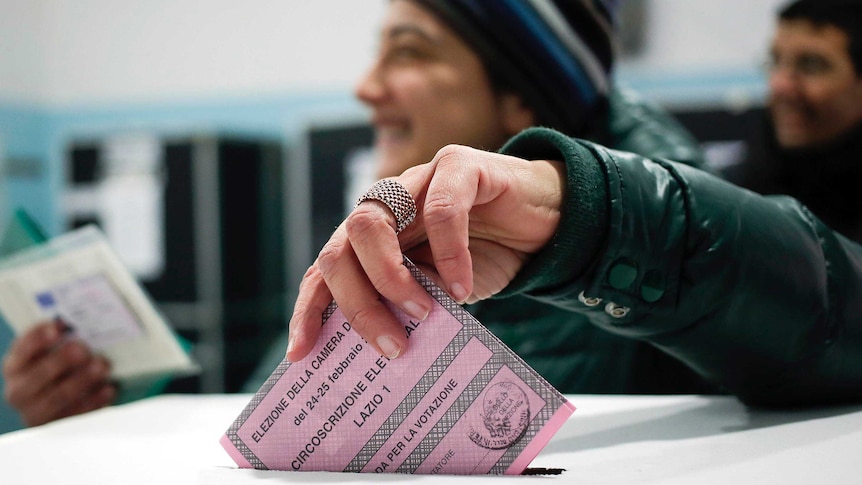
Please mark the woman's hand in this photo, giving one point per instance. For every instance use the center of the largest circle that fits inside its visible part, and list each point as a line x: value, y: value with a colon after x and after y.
x: 480, y: 217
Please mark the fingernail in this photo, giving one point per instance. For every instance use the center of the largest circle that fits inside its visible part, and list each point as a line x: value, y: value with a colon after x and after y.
x: 290, y: 344
x: 388, y: 347
x: 459, y: 293
x: 416, y: 310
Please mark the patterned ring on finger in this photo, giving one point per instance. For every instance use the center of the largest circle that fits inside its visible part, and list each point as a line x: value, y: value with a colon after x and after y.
x: 396, y: 197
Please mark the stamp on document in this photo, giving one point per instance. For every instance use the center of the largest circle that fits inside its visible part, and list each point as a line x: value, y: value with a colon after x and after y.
x: 505, y: 416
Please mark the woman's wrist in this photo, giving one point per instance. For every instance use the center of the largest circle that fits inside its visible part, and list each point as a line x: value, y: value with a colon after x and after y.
x: 583, y: 214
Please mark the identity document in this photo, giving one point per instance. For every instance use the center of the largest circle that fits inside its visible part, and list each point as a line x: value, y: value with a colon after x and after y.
x: 78, y: 278
x: 457, y: 401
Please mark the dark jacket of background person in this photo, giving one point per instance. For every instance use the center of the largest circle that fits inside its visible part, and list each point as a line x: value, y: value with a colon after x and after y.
x: 825, y: 178
x: 564, y: 347
x: 755, y: 294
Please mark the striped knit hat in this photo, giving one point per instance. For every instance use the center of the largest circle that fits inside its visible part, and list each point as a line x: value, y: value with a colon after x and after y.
x: 556, y: 54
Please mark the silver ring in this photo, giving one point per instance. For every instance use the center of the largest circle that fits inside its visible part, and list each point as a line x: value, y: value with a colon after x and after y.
x: 396, y: 197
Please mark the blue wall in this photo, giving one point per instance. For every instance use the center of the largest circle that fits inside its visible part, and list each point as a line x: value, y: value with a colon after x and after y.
x: 41, y: 136
x: 23, y: 136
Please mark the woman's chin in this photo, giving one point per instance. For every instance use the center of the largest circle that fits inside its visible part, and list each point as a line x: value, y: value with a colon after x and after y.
x: 393, y: 161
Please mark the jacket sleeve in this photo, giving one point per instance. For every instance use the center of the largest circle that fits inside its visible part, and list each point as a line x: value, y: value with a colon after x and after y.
x: 752, y: 292
x: 639, y: 126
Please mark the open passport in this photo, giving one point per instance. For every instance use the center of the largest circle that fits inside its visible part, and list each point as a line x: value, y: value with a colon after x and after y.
x: 457, y: 401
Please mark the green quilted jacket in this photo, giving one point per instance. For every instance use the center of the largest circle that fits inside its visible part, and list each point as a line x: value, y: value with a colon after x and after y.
x: 665, y: 279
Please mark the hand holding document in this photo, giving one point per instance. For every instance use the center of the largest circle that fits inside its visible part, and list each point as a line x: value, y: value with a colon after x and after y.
x: 458, y: 401
x: 78, y: 279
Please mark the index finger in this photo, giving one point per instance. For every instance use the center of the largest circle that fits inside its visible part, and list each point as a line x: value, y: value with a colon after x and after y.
x: 305, y: 323
x: 357, y: 296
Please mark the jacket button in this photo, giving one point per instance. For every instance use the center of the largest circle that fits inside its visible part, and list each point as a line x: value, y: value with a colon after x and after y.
x: 589, y: 300
x: 652, y: 287
x: 616, y: 311
x: 622, y: 274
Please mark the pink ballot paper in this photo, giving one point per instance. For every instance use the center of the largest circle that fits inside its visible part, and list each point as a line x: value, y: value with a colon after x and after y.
x: 457, y: 401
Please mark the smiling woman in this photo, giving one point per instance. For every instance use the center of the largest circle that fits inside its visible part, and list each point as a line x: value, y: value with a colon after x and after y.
x: 457, y: 72
x: 428, y: 88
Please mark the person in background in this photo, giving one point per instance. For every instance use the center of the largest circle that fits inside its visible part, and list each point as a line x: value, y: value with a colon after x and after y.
x: 476, y: 74
x: 810, y: 143
x: 753, y: 294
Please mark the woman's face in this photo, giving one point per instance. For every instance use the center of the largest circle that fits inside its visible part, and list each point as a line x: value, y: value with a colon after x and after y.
x: 428, y: 89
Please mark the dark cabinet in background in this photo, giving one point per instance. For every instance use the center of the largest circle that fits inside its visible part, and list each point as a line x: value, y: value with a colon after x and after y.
x: 214, y: 261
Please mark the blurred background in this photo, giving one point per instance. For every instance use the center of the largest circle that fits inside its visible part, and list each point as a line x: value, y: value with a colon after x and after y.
x: 216, y: 142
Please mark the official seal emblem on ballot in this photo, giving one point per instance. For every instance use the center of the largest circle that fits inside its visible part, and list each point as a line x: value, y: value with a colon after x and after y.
x: 504, y: 417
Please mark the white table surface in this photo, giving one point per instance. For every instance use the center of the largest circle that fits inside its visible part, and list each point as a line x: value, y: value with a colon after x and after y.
x: 608, y: 440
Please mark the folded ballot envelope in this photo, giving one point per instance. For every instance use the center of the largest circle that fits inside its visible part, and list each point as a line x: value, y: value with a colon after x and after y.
x: 457, y: 401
